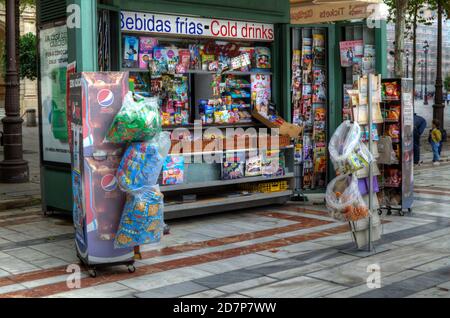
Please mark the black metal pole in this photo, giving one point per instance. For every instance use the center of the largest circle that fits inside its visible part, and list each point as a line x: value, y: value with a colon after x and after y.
x: 13, y: 169
x: 438, y: 107
x: 426, y: 76
x: 421, y: 79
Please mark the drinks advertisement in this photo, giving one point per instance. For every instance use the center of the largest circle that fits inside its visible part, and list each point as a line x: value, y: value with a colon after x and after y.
x: 53, y: 59
x: 95, y: 98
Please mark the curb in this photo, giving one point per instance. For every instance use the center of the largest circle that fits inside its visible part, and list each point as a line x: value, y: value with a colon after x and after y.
x: 19, y: 203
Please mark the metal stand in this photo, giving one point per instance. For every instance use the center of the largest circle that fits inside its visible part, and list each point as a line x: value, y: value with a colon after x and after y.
x: 370, y: 249
x: 298, y: 195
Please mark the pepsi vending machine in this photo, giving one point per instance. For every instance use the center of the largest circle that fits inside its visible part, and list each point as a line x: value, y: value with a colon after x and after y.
x: 95, y: 99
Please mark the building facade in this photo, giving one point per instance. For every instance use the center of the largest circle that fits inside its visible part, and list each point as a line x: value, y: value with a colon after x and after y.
x: 424, y: 33
x: 28, y: 89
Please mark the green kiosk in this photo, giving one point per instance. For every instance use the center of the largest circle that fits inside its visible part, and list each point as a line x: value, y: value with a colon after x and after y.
x: 326, y: 45
x: 184, y: 37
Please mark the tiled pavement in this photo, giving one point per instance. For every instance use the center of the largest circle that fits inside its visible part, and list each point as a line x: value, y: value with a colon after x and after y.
x: 280, y: 251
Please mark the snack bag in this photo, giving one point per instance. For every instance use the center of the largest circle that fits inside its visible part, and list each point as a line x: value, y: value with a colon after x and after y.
x: 138, y: 120
x: 344, y: 201
x: 142, y: 220
x: 142, y: 163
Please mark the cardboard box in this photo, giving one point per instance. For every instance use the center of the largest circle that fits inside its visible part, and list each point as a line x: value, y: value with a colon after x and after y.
x: 285, y: 128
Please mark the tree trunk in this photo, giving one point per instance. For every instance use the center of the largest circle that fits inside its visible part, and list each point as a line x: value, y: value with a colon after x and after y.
x: 400, y: 26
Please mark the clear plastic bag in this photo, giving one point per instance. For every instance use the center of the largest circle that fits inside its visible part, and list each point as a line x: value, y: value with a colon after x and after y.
x: 142, y: 163
x: 347, y: 153
x: 138, y: 120
x: 344, y: 201
x: 142, y: 221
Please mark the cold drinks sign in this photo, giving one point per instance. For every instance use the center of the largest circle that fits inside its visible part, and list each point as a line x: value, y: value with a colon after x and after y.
x: 196, y: 27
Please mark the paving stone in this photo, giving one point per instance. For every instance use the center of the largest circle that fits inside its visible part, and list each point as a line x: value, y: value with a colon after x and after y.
x: 276, y: 266
x: 227, y: 278
x: 173, y: 291
x: 246, y: 284
x: 299, y: 287
x: 211, y: 293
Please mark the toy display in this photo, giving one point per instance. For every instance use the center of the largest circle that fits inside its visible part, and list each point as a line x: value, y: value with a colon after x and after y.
x: 263, y: 58
x: 131, y: 53
x: 173, y: 170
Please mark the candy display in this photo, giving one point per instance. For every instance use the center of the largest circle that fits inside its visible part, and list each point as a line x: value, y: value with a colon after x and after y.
x: 173, y: 170
x: 137, y: 120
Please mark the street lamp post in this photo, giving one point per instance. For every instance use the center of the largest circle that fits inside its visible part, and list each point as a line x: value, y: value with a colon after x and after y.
x: 407, y: 63
x: 438, y: 107
x: 426, y: 48
x: 421, y: 64
x: 13, y: 169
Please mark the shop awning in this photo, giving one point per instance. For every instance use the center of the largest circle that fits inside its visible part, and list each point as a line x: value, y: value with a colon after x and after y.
x: 322, y: 11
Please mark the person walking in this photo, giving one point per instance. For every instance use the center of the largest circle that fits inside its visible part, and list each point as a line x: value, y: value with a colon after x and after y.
x: 435, y: 140
x: 420, y: 124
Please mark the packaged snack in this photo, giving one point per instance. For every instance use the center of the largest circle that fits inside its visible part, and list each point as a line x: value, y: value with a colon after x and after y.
x: 206, y: 60
x: 344, y: 201
x: 142, y: 220
x: 393, y: 131
x: 391, y: 91
x: 172, y: 59
x: 234, y: 166
x: 253, y: 166
x: 173, y: 170
x: 270, y: 163
x: 138, y: 120
x: 251, y: 53
x: 263, y: 57
x: 394, y: 113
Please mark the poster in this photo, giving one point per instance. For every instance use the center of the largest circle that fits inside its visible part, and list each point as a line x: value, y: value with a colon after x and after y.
x: 53, y: 59
x: 351, y: 52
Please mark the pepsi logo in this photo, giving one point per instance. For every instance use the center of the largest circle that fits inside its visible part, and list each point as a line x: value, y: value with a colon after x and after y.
x: 109, y: 183
x: 105, y: 98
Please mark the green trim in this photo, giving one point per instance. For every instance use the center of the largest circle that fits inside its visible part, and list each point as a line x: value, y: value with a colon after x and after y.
x: 381, y: 49
x: 268, y: 11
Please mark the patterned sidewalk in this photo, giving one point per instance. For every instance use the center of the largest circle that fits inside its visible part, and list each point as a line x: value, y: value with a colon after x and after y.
x: 279, y: 251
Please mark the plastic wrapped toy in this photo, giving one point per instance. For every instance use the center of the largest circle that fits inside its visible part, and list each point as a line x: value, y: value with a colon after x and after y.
x: 142, y: 220
x: 142, y: 163
x: 138, y: 120
x: 344, y: 201
x: 347, y: 153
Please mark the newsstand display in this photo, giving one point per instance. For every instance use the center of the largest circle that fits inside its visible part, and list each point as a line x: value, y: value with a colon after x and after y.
x: 310, y: 104
x: 396, y: 147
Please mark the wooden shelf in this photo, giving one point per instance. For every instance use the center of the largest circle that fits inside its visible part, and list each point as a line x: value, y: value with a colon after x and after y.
x: 218, y: 183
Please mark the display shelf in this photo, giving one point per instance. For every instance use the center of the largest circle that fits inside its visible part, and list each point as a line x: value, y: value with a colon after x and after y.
x: 200, y: 72
x: 222, y: 204
x: 218, y: 183
x: 227, y: 151
x: 220, y: 126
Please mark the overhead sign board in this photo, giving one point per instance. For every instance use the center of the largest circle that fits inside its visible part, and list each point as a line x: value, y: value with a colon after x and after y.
x: 196, y: 27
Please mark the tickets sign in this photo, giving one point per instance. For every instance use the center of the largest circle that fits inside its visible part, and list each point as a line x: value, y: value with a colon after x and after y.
x: 196, y: 27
